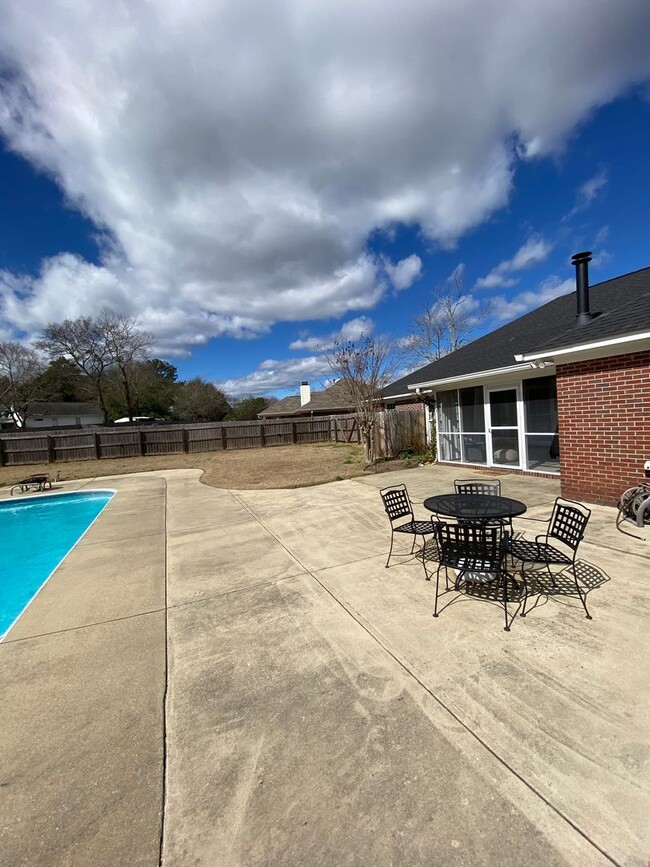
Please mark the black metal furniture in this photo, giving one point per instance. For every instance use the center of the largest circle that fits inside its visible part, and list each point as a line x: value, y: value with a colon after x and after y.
x: 489, y: 487
x: 35, y: 482
x: 566, y: 527
x: 474, y: 508
x: 399, y: 507
x: 477, y: 553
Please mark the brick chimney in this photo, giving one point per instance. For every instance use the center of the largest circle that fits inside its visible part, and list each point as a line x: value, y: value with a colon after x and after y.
x: 305, y: 393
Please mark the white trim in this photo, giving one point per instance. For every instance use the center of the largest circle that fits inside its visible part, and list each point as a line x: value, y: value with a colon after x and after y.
x: 585, y: 347
x: 470, y: 377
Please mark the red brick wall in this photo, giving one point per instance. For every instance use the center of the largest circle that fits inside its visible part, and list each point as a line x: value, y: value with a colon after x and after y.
x: 604, y: 425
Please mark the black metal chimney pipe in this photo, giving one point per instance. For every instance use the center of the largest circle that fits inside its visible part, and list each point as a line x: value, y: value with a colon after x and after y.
x: 581, y: 261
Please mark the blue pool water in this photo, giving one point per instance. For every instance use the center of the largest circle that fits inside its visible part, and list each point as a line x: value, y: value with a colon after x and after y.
x: 35, y: 536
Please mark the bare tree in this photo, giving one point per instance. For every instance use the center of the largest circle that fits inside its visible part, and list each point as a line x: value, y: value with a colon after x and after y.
x: 20, y: 367
x: 126, y: 345
x: 447, y: 322
x: 112, y: 341
x: 365, y: 366
x: 82, y: 342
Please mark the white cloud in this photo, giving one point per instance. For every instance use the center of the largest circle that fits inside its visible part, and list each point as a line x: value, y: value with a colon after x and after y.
x: 503, y: 310
x: 535, y: 250
x: 238, y: 156
x: 405, y: 272
x: 274, y: 375
x: 351, y: 330
x: 588, y: 192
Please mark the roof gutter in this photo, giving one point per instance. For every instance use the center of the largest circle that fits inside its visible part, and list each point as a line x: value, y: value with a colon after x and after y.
x: 479, y: 375
x: 584, y: 347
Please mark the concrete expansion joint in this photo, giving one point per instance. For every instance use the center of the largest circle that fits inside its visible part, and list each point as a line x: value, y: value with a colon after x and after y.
x: 84, y: 626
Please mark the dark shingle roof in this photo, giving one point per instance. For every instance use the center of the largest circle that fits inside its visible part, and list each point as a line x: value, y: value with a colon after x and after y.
x: 286, y: 406
x: 336, y: 397
x: 623, y: 305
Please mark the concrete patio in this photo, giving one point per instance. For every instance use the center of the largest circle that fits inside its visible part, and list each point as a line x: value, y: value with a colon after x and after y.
x: 233, y: 678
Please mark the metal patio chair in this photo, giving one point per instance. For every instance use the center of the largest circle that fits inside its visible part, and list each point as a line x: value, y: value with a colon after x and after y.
x: 399, y: 507
x: 477, y: 553
x: 566, y: 527
x: 488, y: 488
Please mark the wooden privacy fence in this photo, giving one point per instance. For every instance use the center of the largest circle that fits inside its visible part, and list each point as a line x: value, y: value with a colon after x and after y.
x: 133, y: 441
x: 399, y: 430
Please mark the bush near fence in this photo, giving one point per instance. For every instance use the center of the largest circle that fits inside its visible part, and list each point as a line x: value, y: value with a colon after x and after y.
x: 396, y: 431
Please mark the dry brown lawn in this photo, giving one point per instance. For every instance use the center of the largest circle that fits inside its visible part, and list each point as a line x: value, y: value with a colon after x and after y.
x: 277, y: 467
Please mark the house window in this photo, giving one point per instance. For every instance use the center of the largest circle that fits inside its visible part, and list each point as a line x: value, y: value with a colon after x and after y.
x: 77, y: 421
x: 540, y: 404
x: 461, y: 426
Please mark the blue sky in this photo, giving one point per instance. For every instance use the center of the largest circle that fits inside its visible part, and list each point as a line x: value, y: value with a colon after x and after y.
x: 254, y: 180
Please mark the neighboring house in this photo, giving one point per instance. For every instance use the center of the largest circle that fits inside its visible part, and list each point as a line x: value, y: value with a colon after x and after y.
x: 334, y: 400
x: 563, y: 390
x: 46, y: 414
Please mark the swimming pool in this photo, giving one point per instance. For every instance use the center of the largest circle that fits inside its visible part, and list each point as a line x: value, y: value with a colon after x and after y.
x: 35, y: 536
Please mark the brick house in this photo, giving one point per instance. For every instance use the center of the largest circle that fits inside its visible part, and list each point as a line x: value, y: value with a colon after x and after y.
x: 563, y: 390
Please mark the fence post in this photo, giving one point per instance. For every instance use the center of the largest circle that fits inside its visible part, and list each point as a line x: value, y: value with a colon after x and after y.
x: 294, y: 435
x: 224, y: 438
x: 2, y: 453
x: 185, y: 437
x: 141, y: 438
x: 96, y: 445
x: 336, y: 430
x: 50, y: 449
x: 262, y: 436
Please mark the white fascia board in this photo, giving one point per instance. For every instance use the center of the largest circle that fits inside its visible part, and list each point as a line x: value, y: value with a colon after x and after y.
x: 397, y: 396
x: 598, y: 346
x: 471, y: 377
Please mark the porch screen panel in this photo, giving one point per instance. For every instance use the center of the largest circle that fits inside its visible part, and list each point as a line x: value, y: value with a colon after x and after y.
x: 448, y: 426
x: 540, y: 404
x: 474, y: 449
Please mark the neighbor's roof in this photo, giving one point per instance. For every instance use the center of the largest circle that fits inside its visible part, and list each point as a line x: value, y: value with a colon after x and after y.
x: 623, y: 305
x: 336, y: 397
x: 286, y: 406
x: 59, y: 408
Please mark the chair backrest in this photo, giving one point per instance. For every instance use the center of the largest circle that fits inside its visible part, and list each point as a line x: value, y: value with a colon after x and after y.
x: 479, y: 546
x: 489, y: 487
x: 397, y: 502
x: 568, y: 522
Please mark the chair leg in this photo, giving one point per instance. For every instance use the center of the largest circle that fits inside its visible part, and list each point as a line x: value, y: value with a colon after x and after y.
x: 392, y: 536
x: 551, y: 575
x: 523, y: 610
x: 523, y: 581
x: 504, y: 575
x: 435, y: 604
x: 580, y: 593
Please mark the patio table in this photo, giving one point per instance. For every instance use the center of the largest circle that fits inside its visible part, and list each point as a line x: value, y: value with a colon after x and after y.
x: 477, y: 508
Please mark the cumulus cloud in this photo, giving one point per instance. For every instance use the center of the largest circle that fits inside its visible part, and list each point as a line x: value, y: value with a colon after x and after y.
x: 352, y: 330
x: 535, y: 250
x: 503, y: 310
x: 405, y: 272
x: 275, y: 375
x: 236, y: 158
